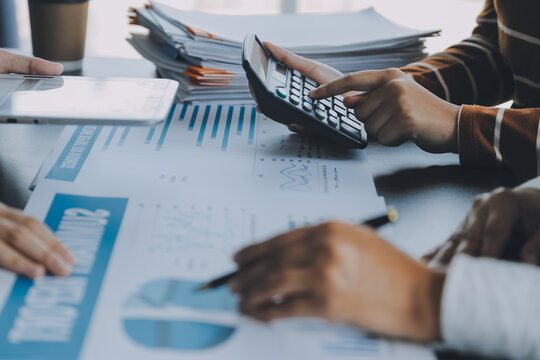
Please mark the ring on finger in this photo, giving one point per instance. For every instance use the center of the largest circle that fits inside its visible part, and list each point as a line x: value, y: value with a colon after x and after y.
x: 277, y: 299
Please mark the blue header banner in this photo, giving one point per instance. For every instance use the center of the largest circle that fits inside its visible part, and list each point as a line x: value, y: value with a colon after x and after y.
x: 69, y: 163
x: 48, y: 318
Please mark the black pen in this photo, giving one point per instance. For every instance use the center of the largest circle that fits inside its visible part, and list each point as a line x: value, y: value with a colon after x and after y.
x: 391, y: 216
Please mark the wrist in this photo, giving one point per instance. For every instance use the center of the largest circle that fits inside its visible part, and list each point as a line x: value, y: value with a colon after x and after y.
x: 425, y: 296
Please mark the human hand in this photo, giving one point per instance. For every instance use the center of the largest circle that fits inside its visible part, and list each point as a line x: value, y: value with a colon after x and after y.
x: 317, y: 71
x: 395, y: 109
x: 13, y: 63
x: 497, y: 222
x: 28, y: 247
x: 343, y: 274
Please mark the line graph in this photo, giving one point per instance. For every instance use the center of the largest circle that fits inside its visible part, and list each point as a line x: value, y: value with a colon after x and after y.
x: 199, y: 228
x: 297, y: 177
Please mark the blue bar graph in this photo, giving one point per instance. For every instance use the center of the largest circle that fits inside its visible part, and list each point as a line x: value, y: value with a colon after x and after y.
x: 183, y: 113
x: 193, y: 118
x: 227, y: 129
x: 216, y: 122
x: 109, y: 138
x: 150, y: 135
x: 124, y: 136
x: 203, y: 125
x: 241, y: 120
x: 252, y: 126
x: 165, y: 128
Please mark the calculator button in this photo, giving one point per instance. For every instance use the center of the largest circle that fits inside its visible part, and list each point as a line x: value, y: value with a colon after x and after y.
x: 351, y: 131
x: 297, y: 74
x: 332, y: 113
x: 333, y: 121
x: 354, y: 120
x: 353, y: 124
x: 295, y: 99
x: 281, y: 93
x: 305, y: 92
x: 295, y: 92
x: 320, y: 114
x: 311, y: 82
x: 340, y: 110
x: 326, y: 102
x: 308, y: 86
x: 307, y: 106
x: 295, y: 85
x: 338, y: 99
x: 308, y: 99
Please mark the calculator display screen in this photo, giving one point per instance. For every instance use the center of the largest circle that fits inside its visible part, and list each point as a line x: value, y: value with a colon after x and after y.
x: 259, y: 61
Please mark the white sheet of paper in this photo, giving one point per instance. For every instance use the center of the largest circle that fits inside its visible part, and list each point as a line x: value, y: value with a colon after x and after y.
x: 170, y: 205
x: 296, y: 31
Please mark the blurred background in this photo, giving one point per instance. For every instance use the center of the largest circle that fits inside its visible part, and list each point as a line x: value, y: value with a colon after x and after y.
x: 108, y: 27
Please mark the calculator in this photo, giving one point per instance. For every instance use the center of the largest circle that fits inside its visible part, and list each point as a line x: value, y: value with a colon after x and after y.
x: 282, y: 95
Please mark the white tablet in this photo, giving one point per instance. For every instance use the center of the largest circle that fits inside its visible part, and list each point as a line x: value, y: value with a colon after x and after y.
x: 81, y: 100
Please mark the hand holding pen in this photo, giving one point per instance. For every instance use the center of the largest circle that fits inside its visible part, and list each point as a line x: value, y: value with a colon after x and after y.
x: 376, y: 222
x: 341, y: 273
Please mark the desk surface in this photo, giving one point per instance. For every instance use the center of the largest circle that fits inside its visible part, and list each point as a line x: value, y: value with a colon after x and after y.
x: 432, y: 192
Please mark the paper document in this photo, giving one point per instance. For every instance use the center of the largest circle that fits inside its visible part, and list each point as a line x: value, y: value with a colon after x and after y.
x: 203, y: 51
x: 151, y: 213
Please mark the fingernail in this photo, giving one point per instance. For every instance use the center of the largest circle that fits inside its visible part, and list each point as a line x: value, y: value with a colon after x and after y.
x: 63, y: 268
x: 312, y: 93
x: 35, y: 271
x: 70, y: 258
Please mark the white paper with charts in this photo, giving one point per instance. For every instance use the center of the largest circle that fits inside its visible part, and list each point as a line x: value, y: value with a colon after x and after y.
x: 151, y: 213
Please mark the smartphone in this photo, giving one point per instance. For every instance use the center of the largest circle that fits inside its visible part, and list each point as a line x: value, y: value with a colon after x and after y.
x: 38, y: 99
x: 282, y: 95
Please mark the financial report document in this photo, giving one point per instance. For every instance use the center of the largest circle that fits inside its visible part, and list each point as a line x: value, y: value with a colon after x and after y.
x: 151, y: 213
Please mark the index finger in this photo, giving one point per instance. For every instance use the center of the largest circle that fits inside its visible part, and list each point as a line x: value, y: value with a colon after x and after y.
x: 358, y: 81
x: 13, y: 63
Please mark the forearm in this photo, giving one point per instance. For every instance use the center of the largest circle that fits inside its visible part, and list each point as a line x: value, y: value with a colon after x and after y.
x: 471, y: 72
x: 491, y: 307
x: 496, y: 136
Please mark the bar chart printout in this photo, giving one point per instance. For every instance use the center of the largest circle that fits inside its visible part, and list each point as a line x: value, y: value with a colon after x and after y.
x: 171, y: 238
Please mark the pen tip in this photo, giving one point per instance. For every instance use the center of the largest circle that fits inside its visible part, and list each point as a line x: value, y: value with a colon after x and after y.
x: 201, y: 288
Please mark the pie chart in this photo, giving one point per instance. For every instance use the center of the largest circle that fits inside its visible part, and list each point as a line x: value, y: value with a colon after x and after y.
x: 172, y: 333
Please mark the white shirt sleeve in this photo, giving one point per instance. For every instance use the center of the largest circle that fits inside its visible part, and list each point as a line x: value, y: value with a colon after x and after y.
x: 533, y: 183
x: 492, y: 308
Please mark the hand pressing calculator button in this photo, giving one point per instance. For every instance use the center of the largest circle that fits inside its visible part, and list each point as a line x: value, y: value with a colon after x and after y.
x: 282, y: 95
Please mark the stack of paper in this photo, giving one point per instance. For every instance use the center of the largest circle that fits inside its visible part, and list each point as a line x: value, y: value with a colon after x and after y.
x: 203, y: 51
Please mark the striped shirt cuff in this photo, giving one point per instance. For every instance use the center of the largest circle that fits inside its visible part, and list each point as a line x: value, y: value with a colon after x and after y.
x: 475, y: 135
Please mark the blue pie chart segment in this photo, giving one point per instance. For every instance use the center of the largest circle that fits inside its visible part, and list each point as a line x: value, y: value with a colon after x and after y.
x: 177, y: 335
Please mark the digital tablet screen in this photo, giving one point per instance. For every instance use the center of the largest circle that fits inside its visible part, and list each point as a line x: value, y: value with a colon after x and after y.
x: 84, y: 98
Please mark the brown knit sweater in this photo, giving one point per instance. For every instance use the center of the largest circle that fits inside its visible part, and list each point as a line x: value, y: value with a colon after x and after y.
x: 499, y: 62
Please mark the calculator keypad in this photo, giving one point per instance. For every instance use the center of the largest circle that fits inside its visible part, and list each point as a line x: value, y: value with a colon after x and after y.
x: 331, y: 111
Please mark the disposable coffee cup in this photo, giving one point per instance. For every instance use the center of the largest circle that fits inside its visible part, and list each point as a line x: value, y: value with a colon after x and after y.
x: 59, y: 31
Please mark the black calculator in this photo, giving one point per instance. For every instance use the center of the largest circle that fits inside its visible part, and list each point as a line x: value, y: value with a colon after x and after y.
x: 282, y: 95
